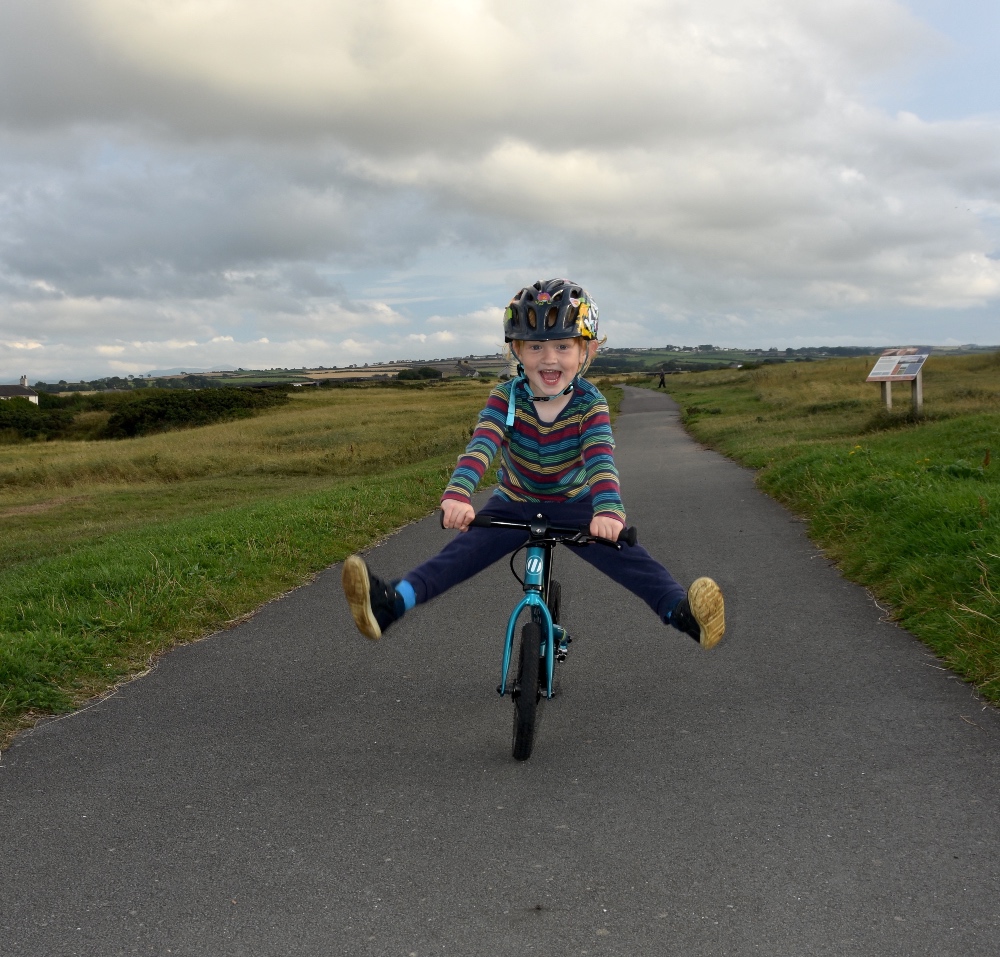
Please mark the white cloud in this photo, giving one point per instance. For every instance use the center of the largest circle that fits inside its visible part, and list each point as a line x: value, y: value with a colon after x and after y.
x: 390, y: 72
x: 371, y: 177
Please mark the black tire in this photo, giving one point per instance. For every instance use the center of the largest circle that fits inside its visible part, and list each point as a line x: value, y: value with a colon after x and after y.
x: 526, y: 693
x: 554, y: 601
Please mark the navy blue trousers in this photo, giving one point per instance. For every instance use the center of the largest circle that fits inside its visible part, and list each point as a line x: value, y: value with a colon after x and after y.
x: 470, y: 552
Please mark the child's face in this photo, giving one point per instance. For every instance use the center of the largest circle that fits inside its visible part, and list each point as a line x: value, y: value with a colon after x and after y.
x: 550, y: 364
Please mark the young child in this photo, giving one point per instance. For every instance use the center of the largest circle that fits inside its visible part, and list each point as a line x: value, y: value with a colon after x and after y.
x: 553, y: 432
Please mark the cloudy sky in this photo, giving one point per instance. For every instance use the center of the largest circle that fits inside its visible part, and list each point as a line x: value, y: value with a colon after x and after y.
x: 221, y: 183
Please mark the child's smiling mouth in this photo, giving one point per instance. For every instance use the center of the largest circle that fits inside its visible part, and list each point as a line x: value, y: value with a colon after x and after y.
x: 550, y: 376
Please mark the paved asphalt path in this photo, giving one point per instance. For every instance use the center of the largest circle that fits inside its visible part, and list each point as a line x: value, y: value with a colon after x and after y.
x: 814, y: 786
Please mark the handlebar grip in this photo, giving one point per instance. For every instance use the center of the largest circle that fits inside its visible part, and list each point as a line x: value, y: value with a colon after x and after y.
x: 483, y: 521
x: 627, y: 536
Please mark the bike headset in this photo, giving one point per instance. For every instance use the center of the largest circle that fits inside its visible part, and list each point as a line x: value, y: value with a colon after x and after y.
x: 549, y: 309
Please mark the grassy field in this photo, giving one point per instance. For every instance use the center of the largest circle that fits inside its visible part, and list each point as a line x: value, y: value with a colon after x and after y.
x: 907, y: 506
x: 111, y: 552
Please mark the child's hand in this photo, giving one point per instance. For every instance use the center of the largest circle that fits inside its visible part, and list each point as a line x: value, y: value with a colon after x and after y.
x: 604, y: 526
x: 457, y: 514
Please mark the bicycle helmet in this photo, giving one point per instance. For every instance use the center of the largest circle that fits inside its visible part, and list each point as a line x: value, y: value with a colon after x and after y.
x: 551, y: 309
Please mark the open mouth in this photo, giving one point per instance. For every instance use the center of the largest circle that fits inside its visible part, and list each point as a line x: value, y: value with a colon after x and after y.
x: 549, y: 377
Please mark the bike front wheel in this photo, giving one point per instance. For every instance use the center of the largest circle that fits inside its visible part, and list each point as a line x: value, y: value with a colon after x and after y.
x: 526, y: 691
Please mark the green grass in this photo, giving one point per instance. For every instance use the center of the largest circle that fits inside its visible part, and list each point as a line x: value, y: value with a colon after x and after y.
x: 77, y: 621
x: 112, y: 552
x: 908, y: 506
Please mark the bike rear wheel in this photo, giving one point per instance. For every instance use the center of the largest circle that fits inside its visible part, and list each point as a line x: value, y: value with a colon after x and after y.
x: 554, y: 601
x: 526, y: 691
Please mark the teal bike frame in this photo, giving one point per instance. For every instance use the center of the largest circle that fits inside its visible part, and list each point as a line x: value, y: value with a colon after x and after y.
x: 536, y: 577
x: 537, y: 587
x: 541, y: 600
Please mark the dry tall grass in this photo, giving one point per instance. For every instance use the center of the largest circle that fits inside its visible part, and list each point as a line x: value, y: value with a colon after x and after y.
x: 320, y: 433
x: 907, y: 505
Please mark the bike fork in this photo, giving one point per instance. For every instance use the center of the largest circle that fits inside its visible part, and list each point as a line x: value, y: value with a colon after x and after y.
x: 536, y: 570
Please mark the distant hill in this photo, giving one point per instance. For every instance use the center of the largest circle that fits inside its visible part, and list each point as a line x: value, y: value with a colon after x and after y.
x: 669, y: 358
x: 157, y: 373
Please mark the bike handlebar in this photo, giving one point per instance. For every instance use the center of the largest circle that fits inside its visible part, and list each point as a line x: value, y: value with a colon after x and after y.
x: 540, y: 528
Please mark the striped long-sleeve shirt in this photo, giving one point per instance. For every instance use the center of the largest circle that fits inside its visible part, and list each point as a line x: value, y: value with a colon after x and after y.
x: 544, y: 461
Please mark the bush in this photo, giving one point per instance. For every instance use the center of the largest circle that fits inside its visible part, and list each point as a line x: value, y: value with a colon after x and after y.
x: 158, y: 411
x: 21, y: 419
x: 424, y: 372
x: 132, y: 413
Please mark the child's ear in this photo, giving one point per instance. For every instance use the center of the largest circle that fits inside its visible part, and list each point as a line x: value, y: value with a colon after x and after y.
x: 592, y: 346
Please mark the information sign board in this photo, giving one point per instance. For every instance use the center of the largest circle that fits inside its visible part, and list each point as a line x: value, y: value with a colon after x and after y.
x: 897, y: 368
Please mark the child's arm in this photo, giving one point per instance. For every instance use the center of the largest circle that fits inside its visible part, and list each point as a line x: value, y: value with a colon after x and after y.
x: 473, y: 463
x: 597, y: 447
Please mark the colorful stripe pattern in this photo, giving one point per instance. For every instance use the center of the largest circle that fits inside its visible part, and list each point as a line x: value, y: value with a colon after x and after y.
x: 544, y: 461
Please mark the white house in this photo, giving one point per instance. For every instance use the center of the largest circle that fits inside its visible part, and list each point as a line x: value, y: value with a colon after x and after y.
x: 19, y: 391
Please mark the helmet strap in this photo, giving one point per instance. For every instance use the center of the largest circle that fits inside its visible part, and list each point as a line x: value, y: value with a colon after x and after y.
x: 521, y: 377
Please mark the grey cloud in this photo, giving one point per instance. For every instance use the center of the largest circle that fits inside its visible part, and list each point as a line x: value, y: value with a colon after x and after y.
x: 391, y: 77
x: 130, y: 219
x: 290, y: 173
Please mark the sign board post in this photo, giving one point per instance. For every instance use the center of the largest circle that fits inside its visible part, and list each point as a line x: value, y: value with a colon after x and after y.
x: 917, y: 392
x: 900, y: 365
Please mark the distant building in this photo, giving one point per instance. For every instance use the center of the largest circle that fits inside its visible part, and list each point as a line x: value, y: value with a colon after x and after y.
x: 19, y: 391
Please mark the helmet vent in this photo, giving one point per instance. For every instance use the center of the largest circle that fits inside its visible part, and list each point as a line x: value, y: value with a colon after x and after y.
x: 532, y: 317
x: 551, y: 315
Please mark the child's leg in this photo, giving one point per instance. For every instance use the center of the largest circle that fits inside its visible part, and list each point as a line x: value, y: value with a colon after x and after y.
x: 699, y: 612
x: 468, y: 553
x: 637, y: 570
x: 375, y: 603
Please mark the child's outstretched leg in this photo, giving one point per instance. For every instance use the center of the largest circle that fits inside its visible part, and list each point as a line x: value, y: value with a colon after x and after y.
x: 701, y: 614
x: 374, y: 604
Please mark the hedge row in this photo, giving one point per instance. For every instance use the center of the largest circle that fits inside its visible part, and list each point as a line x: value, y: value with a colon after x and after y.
x: 136, y: 413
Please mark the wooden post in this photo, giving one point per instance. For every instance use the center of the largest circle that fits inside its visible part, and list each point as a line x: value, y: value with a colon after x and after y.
x: 887, y: 395
x: 917, y: 393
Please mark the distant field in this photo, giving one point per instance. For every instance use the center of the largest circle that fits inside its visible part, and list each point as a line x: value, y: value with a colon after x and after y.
x: 909, y: 507
x: 112, y: 551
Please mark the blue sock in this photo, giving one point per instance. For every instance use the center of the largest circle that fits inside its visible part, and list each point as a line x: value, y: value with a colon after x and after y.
x: 406, y: 592
x: 667, y: 618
